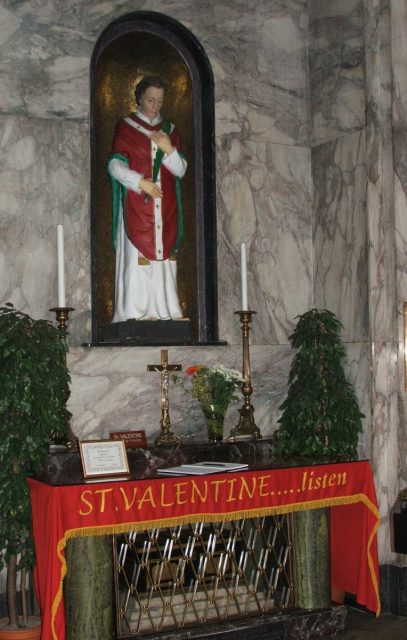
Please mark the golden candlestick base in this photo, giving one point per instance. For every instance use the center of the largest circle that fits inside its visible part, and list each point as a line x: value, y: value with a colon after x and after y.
x: 166, y: 436
x: 246, y: 427
x: 68, y: 439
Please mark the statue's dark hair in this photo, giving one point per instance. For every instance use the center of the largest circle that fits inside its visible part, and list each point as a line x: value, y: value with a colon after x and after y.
x: 146, y: 83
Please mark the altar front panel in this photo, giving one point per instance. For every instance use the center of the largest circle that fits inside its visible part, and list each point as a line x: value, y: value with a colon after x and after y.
x: 61, y: 513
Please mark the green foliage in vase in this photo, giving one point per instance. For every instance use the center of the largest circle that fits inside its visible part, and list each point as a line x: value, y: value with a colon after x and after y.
x: 34, y: 389
x: 320, y: 417
x: 215, y: 385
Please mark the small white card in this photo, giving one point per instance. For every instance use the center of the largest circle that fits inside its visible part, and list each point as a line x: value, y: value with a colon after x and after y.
x: 103, y: 459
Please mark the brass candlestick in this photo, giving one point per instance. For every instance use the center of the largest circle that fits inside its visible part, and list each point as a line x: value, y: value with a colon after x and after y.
x: 246, y: 427
x: 68, y: 439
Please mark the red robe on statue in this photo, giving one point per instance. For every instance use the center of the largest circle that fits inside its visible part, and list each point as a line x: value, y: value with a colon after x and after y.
x: 140, y: 218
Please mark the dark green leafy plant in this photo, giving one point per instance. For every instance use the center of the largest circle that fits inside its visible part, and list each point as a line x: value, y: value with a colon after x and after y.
x: 34, y: 389
x: 321, y: 419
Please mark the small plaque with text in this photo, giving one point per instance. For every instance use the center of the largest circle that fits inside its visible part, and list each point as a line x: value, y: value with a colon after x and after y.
x: 132, y: 439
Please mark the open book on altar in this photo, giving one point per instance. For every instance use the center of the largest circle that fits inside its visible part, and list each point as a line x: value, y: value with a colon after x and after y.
x: 202, y: 468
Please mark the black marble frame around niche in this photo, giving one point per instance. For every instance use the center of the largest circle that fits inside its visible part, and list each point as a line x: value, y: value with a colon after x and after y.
x: 203, y: 327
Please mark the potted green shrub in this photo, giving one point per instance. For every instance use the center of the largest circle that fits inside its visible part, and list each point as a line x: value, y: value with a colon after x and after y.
x: 320, y: 422
x: 34, y: 389
x: 321, y: 419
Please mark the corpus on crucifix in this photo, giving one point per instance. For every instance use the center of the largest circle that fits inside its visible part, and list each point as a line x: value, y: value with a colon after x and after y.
x: 166, y: 436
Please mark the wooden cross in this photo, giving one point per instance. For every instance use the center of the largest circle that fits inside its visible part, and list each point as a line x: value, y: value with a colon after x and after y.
x: 164, y: 368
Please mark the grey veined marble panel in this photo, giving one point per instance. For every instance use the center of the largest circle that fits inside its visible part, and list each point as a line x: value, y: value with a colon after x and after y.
x: 112, y: 390
x: 336, y: 63
x: 44, y: 182
x: 340, y: 235
x: 44, y: 60
x: 258, y: 51
x: 265, y: 201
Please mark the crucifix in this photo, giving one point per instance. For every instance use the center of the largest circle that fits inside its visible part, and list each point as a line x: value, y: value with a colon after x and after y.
x: 166, y: 436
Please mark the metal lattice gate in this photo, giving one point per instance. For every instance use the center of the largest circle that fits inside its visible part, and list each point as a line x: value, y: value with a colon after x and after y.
x: 172, y: 577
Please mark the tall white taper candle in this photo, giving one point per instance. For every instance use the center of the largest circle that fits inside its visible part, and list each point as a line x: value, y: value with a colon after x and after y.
x: 243, y: 272
x: 61, y: 266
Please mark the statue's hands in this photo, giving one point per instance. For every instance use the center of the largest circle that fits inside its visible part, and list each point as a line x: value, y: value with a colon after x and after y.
x: 150, y: 188
x: 162, y: 141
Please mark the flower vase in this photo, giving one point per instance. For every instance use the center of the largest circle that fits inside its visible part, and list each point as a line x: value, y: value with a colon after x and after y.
x: 215, y: 417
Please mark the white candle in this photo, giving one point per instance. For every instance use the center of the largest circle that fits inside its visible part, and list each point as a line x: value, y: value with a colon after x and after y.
x: 61, y: 266
x: 243, y: 273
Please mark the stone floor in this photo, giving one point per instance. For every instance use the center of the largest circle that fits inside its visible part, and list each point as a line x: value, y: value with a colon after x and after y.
x: 364, y: 626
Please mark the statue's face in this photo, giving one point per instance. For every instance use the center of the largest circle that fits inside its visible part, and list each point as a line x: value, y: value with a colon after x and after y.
x: 151, y: 102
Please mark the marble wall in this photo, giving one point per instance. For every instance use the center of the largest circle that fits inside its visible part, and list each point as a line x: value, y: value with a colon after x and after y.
x: 358, y: 231
x: 259, y: 58
x: 385, y: 300
x: 304, y: 111
x: 397, y: 451
x: 338, y: 165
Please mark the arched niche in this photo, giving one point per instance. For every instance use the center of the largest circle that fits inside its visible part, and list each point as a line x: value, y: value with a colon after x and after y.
x: 137, y: 44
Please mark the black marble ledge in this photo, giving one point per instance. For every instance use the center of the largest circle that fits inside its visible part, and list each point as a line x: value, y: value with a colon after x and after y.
x: 63, y: 467
x: 293, y: 625
x: 163, y: 342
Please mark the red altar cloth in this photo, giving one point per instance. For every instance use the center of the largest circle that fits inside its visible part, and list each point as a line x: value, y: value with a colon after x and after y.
x: 60, y: 513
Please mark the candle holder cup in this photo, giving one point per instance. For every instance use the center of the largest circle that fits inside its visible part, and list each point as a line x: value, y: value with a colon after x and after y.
x: 246, y: 427
x: 62, y: 317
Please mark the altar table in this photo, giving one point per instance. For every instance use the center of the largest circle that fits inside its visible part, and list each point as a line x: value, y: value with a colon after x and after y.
x: 64, y: 512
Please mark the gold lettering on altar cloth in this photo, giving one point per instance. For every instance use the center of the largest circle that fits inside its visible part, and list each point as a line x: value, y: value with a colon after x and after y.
x: 310, y: 482
x: 245, y: 492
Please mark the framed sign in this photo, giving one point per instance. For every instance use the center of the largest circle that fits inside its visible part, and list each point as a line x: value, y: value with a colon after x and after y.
x: 103, y: 459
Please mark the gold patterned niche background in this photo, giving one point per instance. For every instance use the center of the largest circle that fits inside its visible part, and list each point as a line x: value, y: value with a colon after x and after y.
x: 119, y: 67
